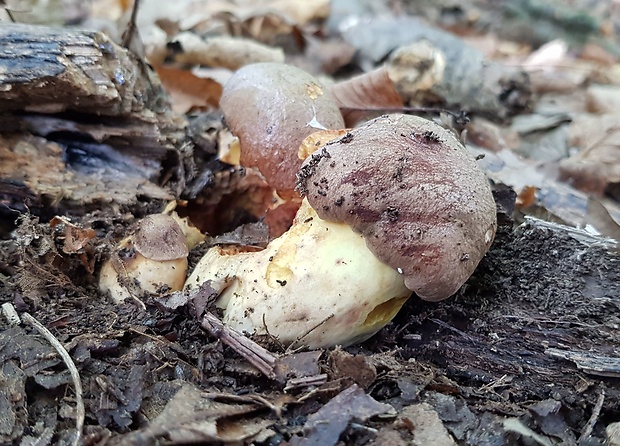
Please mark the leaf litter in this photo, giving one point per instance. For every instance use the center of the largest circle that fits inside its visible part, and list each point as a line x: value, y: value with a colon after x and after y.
x: 466, y: 371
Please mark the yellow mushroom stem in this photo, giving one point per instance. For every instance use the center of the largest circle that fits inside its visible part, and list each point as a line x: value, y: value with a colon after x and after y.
x: 317, y: 284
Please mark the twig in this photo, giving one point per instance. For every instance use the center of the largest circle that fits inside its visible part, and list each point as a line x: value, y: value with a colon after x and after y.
x: 296, y: 383
x: 256, y: 355
x: 596, y: 412
x: 130, y: 32
x: 451, y: 328
x: 75, y: 376
x: 291, y: 348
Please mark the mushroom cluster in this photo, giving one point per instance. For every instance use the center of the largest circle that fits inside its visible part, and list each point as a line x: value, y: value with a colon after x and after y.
x: 393, y: 206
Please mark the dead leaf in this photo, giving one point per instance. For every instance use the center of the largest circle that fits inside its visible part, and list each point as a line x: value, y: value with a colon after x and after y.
x: 596, y: 53
x: 193, y: 416
x: 358, y: 368
x: 367, y: 92
x: 603, y: 98
x: 298, y: 365
x: 598, y: 163
x: 526, y: 198
x: 598, y: 216
x: 250, y: 235
x: 189, y: 91
x: 74, y: 239
x: 490, y: 136
x: 223, y: 51
x: 327, y: 56
x: 423, y: 421
x: 325, y: 426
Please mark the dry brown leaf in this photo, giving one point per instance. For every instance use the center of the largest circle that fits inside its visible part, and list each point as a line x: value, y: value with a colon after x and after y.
x: 192, y: 417
x: 598, y: 216
x: 358, y: 368
x: 76, y: 240
x: 488, y: 135
x: 189, y: 91
x: 237, y: 195
x: 526, y: 198
x: 327, y: 56
x: 595, y: 53
x: 370, y: 91
x: 325, y: 426
x: 424, y: 422
x: 224, y: 51
x: 598, y: 163
x: 603, y: 98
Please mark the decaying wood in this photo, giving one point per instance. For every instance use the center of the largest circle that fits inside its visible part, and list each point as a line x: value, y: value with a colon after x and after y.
x: 539, y: 315
x: 52, y: 70
x: 102, y: 117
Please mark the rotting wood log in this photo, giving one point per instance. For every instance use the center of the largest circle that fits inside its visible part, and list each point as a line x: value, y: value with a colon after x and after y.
x: 53, y: 70
x: 538, y: 319
x: 101, y: 115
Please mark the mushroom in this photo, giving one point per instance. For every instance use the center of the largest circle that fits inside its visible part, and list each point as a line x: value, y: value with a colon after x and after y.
x: 415, y: 194
x: 154, y: 257
x: 394, y: 206
x: 317, y: 284
x: 271, y: 108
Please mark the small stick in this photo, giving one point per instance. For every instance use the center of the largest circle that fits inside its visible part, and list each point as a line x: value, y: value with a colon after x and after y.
x: 291, y: 348
x: 296, y: 383
x: 75, y: 376
x: 450, y: 327
x: 130, y: 32
x: 256, y: 355
x: 596, y: 412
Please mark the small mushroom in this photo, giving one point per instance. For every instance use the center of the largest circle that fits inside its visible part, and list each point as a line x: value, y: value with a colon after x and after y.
x: 415, y: 194
x: 271, y: 108
x: 317, y: 284
x: 152, y: 258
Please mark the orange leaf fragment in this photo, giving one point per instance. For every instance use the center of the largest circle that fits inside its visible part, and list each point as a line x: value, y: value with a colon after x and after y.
x: 189, y: 91
x: 370, y: 91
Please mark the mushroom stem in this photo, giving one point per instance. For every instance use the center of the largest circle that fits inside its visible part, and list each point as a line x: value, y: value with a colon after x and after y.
x: 318, y: 271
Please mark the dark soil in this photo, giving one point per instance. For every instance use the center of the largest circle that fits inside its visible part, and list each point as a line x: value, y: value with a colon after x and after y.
x: 481, y: 357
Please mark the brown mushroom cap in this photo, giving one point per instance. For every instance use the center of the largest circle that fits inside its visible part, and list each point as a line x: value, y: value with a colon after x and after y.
x: 159, y: 237
x: 272, y: 107
x: 414, y: 192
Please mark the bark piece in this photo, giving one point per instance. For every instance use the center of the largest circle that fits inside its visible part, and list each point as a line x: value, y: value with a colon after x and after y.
x: 105, y: 111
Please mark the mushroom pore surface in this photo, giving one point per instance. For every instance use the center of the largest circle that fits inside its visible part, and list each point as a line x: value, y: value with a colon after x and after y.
x: 271, y: 108
x: 414, y: 192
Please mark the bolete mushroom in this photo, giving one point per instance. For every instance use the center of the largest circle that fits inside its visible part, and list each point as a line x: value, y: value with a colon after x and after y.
x: 416, y: 195
x: 152, y: 257
x: 317, y: 284
x: 271, y: 108
x: 395, y: 205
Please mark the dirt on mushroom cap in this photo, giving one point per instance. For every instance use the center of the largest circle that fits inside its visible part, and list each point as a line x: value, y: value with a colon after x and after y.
x: 414, y: 192
x: 272, y: 107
